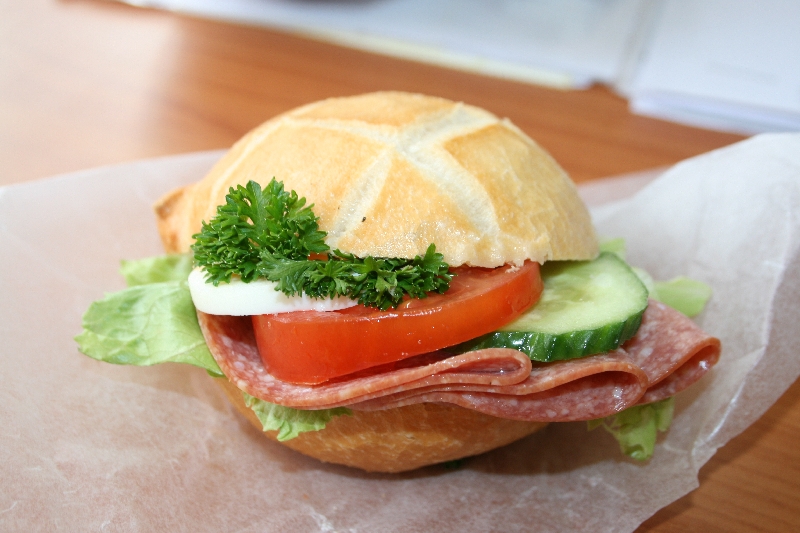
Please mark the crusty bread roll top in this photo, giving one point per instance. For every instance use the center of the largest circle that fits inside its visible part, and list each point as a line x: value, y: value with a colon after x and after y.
x: 389, y: 173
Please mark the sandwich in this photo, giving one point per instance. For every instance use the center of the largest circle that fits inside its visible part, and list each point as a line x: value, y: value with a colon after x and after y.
x: 393, y: 280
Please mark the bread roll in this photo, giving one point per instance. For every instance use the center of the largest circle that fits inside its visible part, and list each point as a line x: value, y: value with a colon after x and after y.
x: 388, y: 174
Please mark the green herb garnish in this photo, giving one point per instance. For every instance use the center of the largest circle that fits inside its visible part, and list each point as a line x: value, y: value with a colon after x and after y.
x: 271, y: 233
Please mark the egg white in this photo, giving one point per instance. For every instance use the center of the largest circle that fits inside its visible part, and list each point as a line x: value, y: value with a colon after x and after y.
x: 258, y: 297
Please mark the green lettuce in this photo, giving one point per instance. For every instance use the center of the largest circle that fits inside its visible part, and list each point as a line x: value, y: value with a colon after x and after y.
x: 614, y: 246
x: 289, y: 422
x: 154, y: 321
x: 686, y: 295
x: 174, y: 267
x: 637, y: 427
x: 146, y: 325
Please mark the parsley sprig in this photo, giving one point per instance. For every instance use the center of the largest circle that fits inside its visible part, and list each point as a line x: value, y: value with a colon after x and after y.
x: 271, y: 234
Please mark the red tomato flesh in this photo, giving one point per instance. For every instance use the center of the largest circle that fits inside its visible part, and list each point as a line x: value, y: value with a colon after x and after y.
x: 310, y: 347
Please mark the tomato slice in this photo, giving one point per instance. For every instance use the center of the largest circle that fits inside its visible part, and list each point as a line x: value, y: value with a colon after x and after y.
x: 309, y: 347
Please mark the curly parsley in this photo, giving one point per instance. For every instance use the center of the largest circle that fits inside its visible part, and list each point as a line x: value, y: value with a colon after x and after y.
x: 271, y: 233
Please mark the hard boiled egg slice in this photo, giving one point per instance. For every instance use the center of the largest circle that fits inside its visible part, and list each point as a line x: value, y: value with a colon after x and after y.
x: 258, y: 297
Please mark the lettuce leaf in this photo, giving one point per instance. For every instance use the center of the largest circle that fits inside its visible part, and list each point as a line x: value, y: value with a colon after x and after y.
x: 637, y: 427
x: 175, y: 267
x: 686, y: 295
x: 614, y: 246
x: 288, y: 422
x: 154, y: 321
x: 145, y: 325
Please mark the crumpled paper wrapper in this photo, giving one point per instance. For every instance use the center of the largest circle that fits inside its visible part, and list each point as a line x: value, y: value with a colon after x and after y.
x: 88, y: 446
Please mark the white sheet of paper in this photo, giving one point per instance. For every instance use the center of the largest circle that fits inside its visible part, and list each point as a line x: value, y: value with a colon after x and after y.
x: 88, y: 446
x: 723, y: 64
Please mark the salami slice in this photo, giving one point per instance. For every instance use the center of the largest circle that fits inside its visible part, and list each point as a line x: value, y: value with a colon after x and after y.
x: 671, y: 350
x: 604, y: 390
x: 668, y: 354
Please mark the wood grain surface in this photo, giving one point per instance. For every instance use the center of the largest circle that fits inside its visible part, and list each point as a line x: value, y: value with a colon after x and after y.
x: 87, y: 83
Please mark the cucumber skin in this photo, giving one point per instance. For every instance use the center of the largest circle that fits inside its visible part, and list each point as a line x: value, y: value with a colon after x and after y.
x: 545, y: 347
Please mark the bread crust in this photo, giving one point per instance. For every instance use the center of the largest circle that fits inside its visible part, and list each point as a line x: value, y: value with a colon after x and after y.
x: 398, y: 440
x: 389, y: 173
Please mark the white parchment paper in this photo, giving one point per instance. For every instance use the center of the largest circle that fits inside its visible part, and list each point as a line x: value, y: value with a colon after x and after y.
x: 87, y: 446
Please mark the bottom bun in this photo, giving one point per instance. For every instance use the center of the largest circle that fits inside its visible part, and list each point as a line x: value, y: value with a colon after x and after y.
x: 401, y: 439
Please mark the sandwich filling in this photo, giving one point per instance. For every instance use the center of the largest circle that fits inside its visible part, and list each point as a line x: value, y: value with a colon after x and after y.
x: 484, y: 341
x: 516, y: 342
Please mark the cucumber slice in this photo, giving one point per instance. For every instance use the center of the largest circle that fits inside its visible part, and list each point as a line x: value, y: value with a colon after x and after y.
x: 586, y: 308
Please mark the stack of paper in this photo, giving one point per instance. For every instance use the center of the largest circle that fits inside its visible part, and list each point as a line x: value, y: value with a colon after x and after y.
x: 725, y: 64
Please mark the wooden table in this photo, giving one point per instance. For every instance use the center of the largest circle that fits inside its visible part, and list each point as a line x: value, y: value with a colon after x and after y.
x: 86, y: 83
